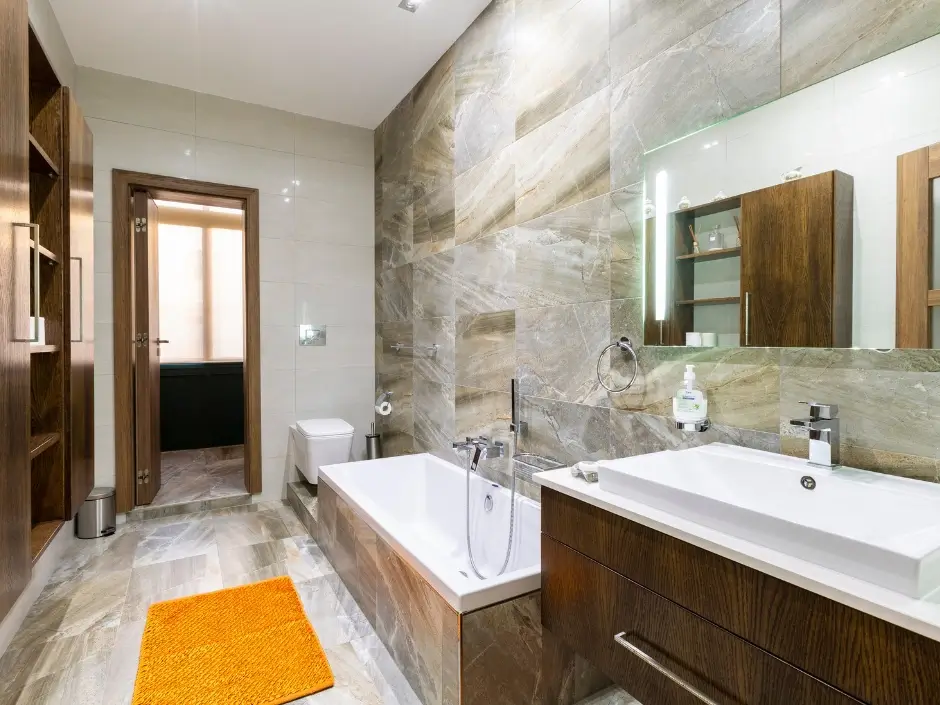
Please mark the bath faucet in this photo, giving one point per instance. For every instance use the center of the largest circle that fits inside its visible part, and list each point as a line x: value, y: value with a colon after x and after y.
x: 823, y: 427
x: 482, y: 447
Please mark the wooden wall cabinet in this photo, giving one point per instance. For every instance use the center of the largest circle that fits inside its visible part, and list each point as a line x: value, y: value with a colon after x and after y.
x: 46, y: 412
x: 795, y: 257
x: 738, y: 636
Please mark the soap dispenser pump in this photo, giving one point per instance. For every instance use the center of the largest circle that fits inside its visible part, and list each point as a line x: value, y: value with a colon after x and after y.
x: 690, y: 405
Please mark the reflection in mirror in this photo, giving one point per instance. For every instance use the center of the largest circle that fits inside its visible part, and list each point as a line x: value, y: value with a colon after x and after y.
x: 779, y: 226
x: 935, y: 264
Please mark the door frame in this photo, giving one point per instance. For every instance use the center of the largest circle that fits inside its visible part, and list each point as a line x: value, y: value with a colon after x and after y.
x: 123, y: 184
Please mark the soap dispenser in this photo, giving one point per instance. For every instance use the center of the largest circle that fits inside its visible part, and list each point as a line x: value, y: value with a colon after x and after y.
x: 689, y: 405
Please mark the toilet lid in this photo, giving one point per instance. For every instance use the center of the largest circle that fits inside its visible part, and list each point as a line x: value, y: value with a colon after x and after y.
x: 321, y: 428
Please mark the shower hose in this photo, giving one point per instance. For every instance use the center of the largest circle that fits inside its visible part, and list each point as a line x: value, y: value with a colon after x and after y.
x: 512, y: 522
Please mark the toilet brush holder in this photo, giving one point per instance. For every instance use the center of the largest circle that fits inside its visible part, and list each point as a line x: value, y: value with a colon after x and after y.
x: 373, y: 445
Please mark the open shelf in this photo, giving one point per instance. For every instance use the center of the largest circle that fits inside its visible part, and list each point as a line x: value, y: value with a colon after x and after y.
x: 39, y: 160
x: 723, y: 253
x: 41, y: 536
x: 41, y: 349
x: 42, y: 442
x: 706, y: 302
x: 45, y: 252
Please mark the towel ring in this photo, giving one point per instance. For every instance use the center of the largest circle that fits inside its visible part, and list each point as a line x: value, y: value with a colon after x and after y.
x: 625, y: 345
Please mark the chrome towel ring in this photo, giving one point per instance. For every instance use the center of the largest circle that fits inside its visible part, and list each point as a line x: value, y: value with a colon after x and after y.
x: 625, y: 345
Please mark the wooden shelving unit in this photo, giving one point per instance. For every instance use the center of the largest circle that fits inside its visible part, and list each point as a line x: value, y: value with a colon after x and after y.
x: 48, y: 195
x: 41, y: 535
x: 39, y: 160
x: 42, y: 442
x: 713, y: 254
x: 710, y: 302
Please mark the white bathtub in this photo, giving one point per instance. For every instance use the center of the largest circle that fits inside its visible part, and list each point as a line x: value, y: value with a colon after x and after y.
x: 416, y: 503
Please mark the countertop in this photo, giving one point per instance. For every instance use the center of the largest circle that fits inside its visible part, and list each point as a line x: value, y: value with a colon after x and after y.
x: 920, y: 616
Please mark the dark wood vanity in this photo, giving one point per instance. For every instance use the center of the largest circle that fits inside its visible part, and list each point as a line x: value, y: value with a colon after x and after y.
x: 731, y: 634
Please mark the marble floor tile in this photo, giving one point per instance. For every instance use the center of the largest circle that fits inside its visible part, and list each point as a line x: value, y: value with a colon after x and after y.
x: 80, y: 642
x: 198, y: 475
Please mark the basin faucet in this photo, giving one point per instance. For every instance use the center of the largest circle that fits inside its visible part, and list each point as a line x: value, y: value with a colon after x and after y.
x: 482, y: 447
x: 823, y: 427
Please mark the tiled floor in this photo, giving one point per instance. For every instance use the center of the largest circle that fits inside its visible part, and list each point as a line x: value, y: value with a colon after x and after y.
x: 81, y: 640
x: 198, y: 475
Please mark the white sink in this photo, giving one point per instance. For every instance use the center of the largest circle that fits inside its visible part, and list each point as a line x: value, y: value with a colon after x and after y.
x: 881, y: 529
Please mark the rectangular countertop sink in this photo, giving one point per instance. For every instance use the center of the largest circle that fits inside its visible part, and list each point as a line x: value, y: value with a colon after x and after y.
x: 877, y: 528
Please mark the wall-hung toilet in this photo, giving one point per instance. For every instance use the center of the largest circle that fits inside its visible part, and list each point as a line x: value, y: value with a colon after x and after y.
x: 319, y: 442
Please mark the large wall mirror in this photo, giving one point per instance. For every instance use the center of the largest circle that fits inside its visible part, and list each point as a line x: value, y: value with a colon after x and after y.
x: 781, y: 226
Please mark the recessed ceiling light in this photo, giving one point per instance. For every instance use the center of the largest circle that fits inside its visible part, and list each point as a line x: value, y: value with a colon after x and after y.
x: 410, y: 5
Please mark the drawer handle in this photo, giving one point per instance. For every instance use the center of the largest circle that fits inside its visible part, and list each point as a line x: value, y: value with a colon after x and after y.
x: 621, y: 639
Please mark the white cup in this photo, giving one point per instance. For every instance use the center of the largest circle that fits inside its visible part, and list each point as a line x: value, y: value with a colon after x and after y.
x: 709, y: 340
x: 693, y: 340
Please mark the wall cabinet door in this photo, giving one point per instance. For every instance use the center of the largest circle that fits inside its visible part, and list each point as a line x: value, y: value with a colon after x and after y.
x: 80, y: 303
x: 787, y: 264
x: 15, y: 563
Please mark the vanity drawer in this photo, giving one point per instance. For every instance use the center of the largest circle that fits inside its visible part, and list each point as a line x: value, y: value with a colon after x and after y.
x: 872, y: 660
x: 637, y: 638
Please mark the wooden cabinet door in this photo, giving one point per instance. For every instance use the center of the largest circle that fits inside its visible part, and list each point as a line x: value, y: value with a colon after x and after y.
x: 15, y: 562
x: 787, y: 264
x: 80, y: 305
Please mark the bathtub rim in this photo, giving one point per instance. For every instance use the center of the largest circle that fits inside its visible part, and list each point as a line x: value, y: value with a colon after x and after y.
x: 510, y: 586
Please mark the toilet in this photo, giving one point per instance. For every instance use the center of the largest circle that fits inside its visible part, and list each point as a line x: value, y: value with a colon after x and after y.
x: 320, y: 442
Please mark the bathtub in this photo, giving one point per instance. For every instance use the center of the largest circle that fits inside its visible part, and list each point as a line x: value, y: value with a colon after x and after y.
x: 416, y: 504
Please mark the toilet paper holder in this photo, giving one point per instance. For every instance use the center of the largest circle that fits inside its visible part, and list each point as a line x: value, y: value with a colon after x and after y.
x: 383, y: 397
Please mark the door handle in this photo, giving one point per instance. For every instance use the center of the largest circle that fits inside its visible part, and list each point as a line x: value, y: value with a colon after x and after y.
x: 162, y: 342
x: 81, y: 299
x: 621, y: 639
x: 18, y: 271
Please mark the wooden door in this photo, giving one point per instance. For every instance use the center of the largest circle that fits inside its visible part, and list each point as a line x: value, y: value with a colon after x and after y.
x: 80, y: 306
x: 918, y: 289
x: 15, y: 562
x: 147, y: 347
x: 787, y: 264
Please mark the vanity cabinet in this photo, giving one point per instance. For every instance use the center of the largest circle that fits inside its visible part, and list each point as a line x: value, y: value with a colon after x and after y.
x: 733, y: 634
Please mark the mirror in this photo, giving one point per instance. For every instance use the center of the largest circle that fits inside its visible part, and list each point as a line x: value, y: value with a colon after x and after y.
x: 778, y: 227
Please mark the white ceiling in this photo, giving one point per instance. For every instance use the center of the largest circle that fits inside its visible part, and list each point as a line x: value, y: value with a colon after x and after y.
x: 344, y: 60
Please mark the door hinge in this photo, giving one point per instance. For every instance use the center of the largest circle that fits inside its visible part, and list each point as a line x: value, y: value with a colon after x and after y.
x: 140, y: 340
x: 143, y: 477
x: 140, y: 224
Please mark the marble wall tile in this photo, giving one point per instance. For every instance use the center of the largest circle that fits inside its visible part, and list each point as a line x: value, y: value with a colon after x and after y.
x: 434, y: 286
x: 502, y: 653
x: 626, y: 319
x: 822, y: 38
x: 450, y: 667
x: 571, y: 679
x: 410, y: 619
x: 394, y: 373
x: 394, y: 294
x: 433, y: 223
x: 433, y: 98
x: 641, y: 29
x: 561, y: 58
x: 564, y: 257
x: 743, y: 384
x: 565, y: 432
x: 727, y: 67
x: 485, y: 274
x: 566, y: 160
x: 434, y: 415
x: 485, y: 109
x: 388, y: 361
x: 432, y: 165
x: 865, y: 384
x: 485, y: 413
x: 394, y: 167
x: 637, y: 434
x: 485, y: 200
x: 557, y: 351
x: 486, y: 350
x: 626, y: 242
x: 395, y: 239
x: 435, y: 366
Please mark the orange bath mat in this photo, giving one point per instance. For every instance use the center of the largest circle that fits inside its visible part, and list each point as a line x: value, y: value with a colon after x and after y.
x: 248, y: 645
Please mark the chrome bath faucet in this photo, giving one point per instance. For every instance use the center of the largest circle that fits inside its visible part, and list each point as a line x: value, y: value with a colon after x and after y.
x: 482, y: 447
x: 823, y: 427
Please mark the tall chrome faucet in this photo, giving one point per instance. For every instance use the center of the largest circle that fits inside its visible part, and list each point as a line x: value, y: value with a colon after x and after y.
x: 482, y: 447
x: 823, y: 427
